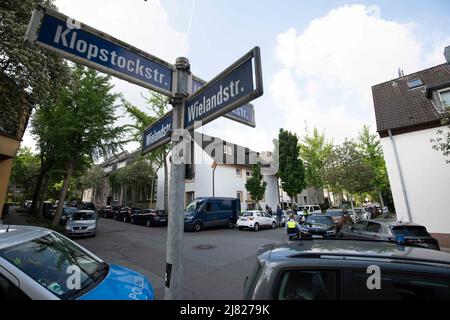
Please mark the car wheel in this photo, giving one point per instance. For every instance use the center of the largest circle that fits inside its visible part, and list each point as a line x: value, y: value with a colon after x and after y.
x: 148, y: 223
x: 240, y: 228
x: 256, y: 227
x: 230, y: 224
x: 197, y: 226
x: 274, y: 225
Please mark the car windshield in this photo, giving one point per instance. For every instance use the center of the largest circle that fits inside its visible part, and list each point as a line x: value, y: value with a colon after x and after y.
x: 410, y: 231
x: 69, y: 211
x: 248, y: 214
x: 194, y: 205
x: 319, y: 220
x: 334, y: 213
x: 83, y: 215
x: 51, y: 261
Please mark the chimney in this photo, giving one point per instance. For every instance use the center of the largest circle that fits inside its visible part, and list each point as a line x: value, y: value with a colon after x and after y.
x: 447, y: 54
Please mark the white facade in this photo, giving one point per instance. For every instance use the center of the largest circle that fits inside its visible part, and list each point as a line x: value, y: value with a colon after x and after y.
x: 426, y: 178
x: 227, y: 182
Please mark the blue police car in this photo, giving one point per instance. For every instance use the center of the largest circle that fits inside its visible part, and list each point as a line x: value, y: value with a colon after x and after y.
x: 38, y: 263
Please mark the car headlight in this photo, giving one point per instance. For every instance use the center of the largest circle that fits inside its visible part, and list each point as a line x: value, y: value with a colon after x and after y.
x: 67, y: 227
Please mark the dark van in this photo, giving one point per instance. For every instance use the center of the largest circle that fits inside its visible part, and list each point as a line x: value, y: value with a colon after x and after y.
x: 208, y: 212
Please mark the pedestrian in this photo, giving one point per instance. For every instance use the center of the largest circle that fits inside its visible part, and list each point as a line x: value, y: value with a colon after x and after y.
x: 292, y: 228
x: 279, y: 215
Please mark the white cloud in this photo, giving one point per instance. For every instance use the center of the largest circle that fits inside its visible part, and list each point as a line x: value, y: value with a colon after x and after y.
x: 328, y: 68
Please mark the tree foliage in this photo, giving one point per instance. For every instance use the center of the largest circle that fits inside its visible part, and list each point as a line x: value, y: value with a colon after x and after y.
x: 25, y: 170
x: 291, y: 168
x: 92, y: 177
x: 442, y: 140
x: 314, y: 150
x: 256, y: 185
x: 346, y: 171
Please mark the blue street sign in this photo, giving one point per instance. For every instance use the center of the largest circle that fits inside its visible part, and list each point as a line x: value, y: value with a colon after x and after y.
x: 244, y: 114
x: 235, y: 86
x: 158, y: 133
x: 53, y: 31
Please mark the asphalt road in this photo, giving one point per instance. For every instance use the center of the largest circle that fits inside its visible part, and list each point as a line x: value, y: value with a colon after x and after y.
x: 215, y: 270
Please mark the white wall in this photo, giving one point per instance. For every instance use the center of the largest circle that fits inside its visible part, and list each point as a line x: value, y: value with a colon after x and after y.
x: 426, y: 176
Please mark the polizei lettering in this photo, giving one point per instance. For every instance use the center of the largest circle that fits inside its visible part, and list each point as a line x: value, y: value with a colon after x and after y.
x: 198, y: 108
x: 68, y: 39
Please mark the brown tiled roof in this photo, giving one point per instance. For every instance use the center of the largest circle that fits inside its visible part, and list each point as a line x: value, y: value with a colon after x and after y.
x: 397, y: 106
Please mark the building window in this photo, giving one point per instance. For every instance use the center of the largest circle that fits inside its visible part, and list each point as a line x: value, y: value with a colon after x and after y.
x: 414, y: 83
x: 228, y: 150
x: 238, y: 172
x: 444, y: 95
x: 108, y: 169
x: 121, y: 164
x: 249, y: 173
x: 188, y: 198
x: 240, y: 195
x: 116, y: 195
x: 305, y: 199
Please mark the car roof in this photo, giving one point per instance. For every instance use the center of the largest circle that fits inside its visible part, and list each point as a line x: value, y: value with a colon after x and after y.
x: 321, y: 248
x: 19, y: 234
x: 395, y: 223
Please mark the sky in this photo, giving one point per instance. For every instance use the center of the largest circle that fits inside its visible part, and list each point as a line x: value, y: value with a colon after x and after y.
x: 319, y: 58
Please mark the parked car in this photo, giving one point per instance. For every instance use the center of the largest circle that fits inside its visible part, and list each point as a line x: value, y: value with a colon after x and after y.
x: 256, y: 219
x: 337, y: 215
x: 210, y: 212
x: 36, y: 263
x: 48, y: 209
x: 125, y: 213
x: 319, y: 226
x: 81, y: 223
x: 106, y: 212
x: 87, y: 206
x: 333, y: 269
x: 149, y: 217
x: 310, y: 208
x: 390, y: 230
x: 67, y: 214
x: 287, y: 214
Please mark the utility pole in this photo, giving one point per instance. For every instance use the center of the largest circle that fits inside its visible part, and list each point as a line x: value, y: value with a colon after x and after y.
x: 175, y: 228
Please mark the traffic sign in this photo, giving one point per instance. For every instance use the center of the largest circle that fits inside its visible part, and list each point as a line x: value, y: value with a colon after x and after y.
x: 158, y: 133
x: 244, y: 114
x: 235, y: 86
x: 66, y: 37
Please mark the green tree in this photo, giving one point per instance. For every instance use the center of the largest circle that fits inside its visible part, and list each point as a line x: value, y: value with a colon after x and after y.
x: 256, y: 185
x: 370, y: 147
x: 86, y: 118
x: 158, y: 106
x: 25, y: 170
x: 345, y: 170
x: 31, y: 70
x: 138, y: 177
x: 92, y: 179
x: 442, y: 140
x: 291, y: 168
x: 313, y: 151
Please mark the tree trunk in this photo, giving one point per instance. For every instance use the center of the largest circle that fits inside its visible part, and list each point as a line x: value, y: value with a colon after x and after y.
x: 62, y: 195
x: 37, y: 192
x: 42, y: 195
x: 381, y: 199
x: 166, y: 184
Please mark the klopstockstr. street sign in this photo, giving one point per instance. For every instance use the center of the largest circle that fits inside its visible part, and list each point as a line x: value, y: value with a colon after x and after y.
x: 244, y: 114
x: 237, y: 85
x: 66, y: 37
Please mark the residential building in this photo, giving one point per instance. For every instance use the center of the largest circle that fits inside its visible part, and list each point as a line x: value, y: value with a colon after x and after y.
x: 219, y: 168
x: 16, y: 108
x: 408, y: 114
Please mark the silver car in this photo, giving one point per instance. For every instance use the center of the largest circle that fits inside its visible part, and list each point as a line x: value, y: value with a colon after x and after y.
x: 82, y: 223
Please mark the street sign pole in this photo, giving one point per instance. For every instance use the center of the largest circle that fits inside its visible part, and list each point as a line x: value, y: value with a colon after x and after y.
x: 175, y: 228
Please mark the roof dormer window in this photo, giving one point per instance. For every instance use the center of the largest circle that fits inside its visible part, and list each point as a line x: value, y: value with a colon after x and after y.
x: 444, y: 96
x: 414, y: 83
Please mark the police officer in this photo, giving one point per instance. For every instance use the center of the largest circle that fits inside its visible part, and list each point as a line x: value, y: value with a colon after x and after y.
x: 292, y: 227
